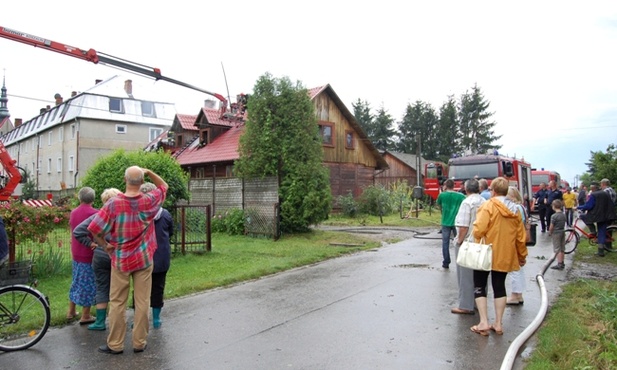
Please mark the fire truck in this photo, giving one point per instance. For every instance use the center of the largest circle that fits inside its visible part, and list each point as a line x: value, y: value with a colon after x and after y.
x: 543, y: 176
x: 435, y: 173
x: 12, y: 180
x: 489, y: 166
x: 95, y: 57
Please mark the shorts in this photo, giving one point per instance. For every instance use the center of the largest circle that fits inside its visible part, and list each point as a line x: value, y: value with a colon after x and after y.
x: 559, y: 242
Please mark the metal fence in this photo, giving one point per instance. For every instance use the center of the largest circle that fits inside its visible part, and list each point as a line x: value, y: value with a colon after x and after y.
x: 258, y: 198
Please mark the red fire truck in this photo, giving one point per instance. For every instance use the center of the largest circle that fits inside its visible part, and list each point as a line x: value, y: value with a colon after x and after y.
x: 435, y: 173
x: 543, y: 176
x: 489, y: 166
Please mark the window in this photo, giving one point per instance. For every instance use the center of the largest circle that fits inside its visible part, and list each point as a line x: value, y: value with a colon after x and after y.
x: 199, y: 173
x: 61, y: 134
x: 71, y: 161
x: 48, y: 165
x: 179, y: 141
x: 59, y: 164
x: 115, y: 105
x: 155, y: 132
x: 326, y: 131
x: 147, y: 109
x: 120, y: 129
x: 203, y: 137
x: 349, y: 140
x: 73, y: 129
x: 49, y: 136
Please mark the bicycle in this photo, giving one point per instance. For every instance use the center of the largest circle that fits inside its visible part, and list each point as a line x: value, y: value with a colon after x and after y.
x: 24, y: 311
x: 574, y: 234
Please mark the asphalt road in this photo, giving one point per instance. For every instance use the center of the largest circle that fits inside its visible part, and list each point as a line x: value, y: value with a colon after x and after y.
x: 387, y: 308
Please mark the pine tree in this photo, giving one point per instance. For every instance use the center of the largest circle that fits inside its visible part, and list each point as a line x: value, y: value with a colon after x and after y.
x: 384, y: 136
x: 281, y: 138
x: 476, y: 128
x: 362, y: 113
x: 419, y: 122
x: 447, y: 131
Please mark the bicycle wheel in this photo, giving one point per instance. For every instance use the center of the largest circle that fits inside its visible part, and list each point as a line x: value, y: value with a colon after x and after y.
x: 611, y: 235
x: 572, y: 240
x: 24, y: 317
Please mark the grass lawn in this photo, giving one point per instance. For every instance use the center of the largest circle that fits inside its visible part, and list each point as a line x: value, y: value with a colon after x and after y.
x: 580, y: 331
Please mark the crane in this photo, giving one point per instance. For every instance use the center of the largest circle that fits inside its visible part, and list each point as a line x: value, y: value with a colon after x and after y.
x: 95, y: 57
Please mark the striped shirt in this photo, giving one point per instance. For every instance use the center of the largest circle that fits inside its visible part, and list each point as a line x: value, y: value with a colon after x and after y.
x: 130, y: 222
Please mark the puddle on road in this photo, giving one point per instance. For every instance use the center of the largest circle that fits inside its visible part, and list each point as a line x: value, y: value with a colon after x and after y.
x: 412, y: 265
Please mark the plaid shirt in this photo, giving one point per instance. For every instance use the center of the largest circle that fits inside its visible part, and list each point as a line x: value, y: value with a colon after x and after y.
x: 129, y: 221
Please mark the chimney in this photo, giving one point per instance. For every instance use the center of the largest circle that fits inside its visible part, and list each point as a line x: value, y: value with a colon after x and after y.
x: 73, y: 93
x: 128, y: 88
x: 42, y: 110
x: 58, y: 98
x: 209, y: 103
x: 48, y: 108
x: 18, y: 122
x: 96, y: 82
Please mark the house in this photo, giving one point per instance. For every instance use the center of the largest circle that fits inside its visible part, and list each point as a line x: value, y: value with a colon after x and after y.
x: 401, y: 167
x: 211, y: 146
x: 58, y: 146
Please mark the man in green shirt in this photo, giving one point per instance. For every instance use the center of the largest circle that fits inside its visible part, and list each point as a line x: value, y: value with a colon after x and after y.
x: 449, y: 201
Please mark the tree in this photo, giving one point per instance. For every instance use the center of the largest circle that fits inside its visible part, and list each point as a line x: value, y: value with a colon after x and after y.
x: 476, y: 129
x: 603, y: 165
x: 447, y: 131
x: 362, y: 113
x: 419, y: 122
x: 108, y: 172
x: 384, y: 133
x: 282, y: 138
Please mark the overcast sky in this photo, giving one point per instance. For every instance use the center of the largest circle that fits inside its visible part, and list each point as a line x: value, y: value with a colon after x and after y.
x: 548, y: 68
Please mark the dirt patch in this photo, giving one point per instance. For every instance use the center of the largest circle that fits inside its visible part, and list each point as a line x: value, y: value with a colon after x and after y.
x: 582, y: 270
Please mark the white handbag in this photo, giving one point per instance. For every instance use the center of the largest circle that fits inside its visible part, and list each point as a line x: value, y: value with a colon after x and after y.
x: 475, y: 256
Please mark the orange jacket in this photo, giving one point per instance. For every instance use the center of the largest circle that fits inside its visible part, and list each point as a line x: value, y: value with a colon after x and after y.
x: 504, y: 229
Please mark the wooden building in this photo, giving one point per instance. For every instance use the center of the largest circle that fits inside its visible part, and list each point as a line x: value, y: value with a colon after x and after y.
x: 210, y: 147
x: 401, y: 167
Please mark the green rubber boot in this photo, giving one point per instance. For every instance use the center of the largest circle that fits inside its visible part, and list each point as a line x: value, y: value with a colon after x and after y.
x: 156, y: 317
x: 99, y: 324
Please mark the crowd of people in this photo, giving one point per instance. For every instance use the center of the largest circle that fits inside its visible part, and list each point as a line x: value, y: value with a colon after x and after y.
x: 127, y: 239
x: 496, y: 213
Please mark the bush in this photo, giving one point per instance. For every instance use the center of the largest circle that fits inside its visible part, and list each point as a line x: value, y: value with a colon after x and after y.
x: 32, y: 223
x: 230, y: 222
x: 376, y: 201
x: 348, y: 205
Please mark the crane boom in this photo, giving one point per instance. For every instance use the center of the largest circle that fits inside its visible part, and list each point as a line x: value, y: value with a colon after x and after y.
x: 93, y: 56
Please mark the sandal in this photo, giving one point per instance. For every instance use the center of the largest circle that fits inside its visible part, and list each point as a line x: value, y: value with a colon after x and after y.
x: 498, y: 332
x: 72, y: 317
x: 483, y: 333
x: 86, y: 321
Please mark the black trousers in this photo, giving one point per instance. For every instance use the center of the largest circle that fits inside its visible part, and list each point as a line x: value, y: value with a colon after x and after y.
x: 542, y: 214
x: 158, y: 287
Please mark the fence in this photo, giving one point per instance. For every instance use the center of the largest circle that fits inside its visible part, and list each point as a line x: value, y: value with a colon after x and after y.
x: 257, y: 197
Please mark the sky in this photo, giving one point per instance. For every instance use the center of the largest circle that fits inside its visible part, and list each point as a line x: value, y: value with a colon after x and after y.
x: 547, y: 68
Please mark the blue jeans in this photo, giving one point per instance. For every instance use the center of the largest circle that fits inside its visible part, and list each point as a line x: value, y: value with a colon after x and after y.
x: 445, y: 243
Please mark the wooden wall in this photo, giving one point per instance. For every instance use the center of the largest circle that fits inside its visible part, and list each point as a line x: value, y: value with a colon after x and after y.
x: 347, y: 177
x: 398, y: 171
x: 327, y: 111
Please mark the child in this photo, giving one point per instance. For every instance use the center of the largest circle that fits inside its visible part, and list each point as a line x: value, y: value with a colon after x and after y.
x: 557, y: 230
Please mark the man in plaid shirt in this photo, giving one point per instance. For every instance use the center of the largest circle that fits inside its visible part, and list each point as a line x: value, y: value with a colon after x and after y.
x: 128, y: 218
